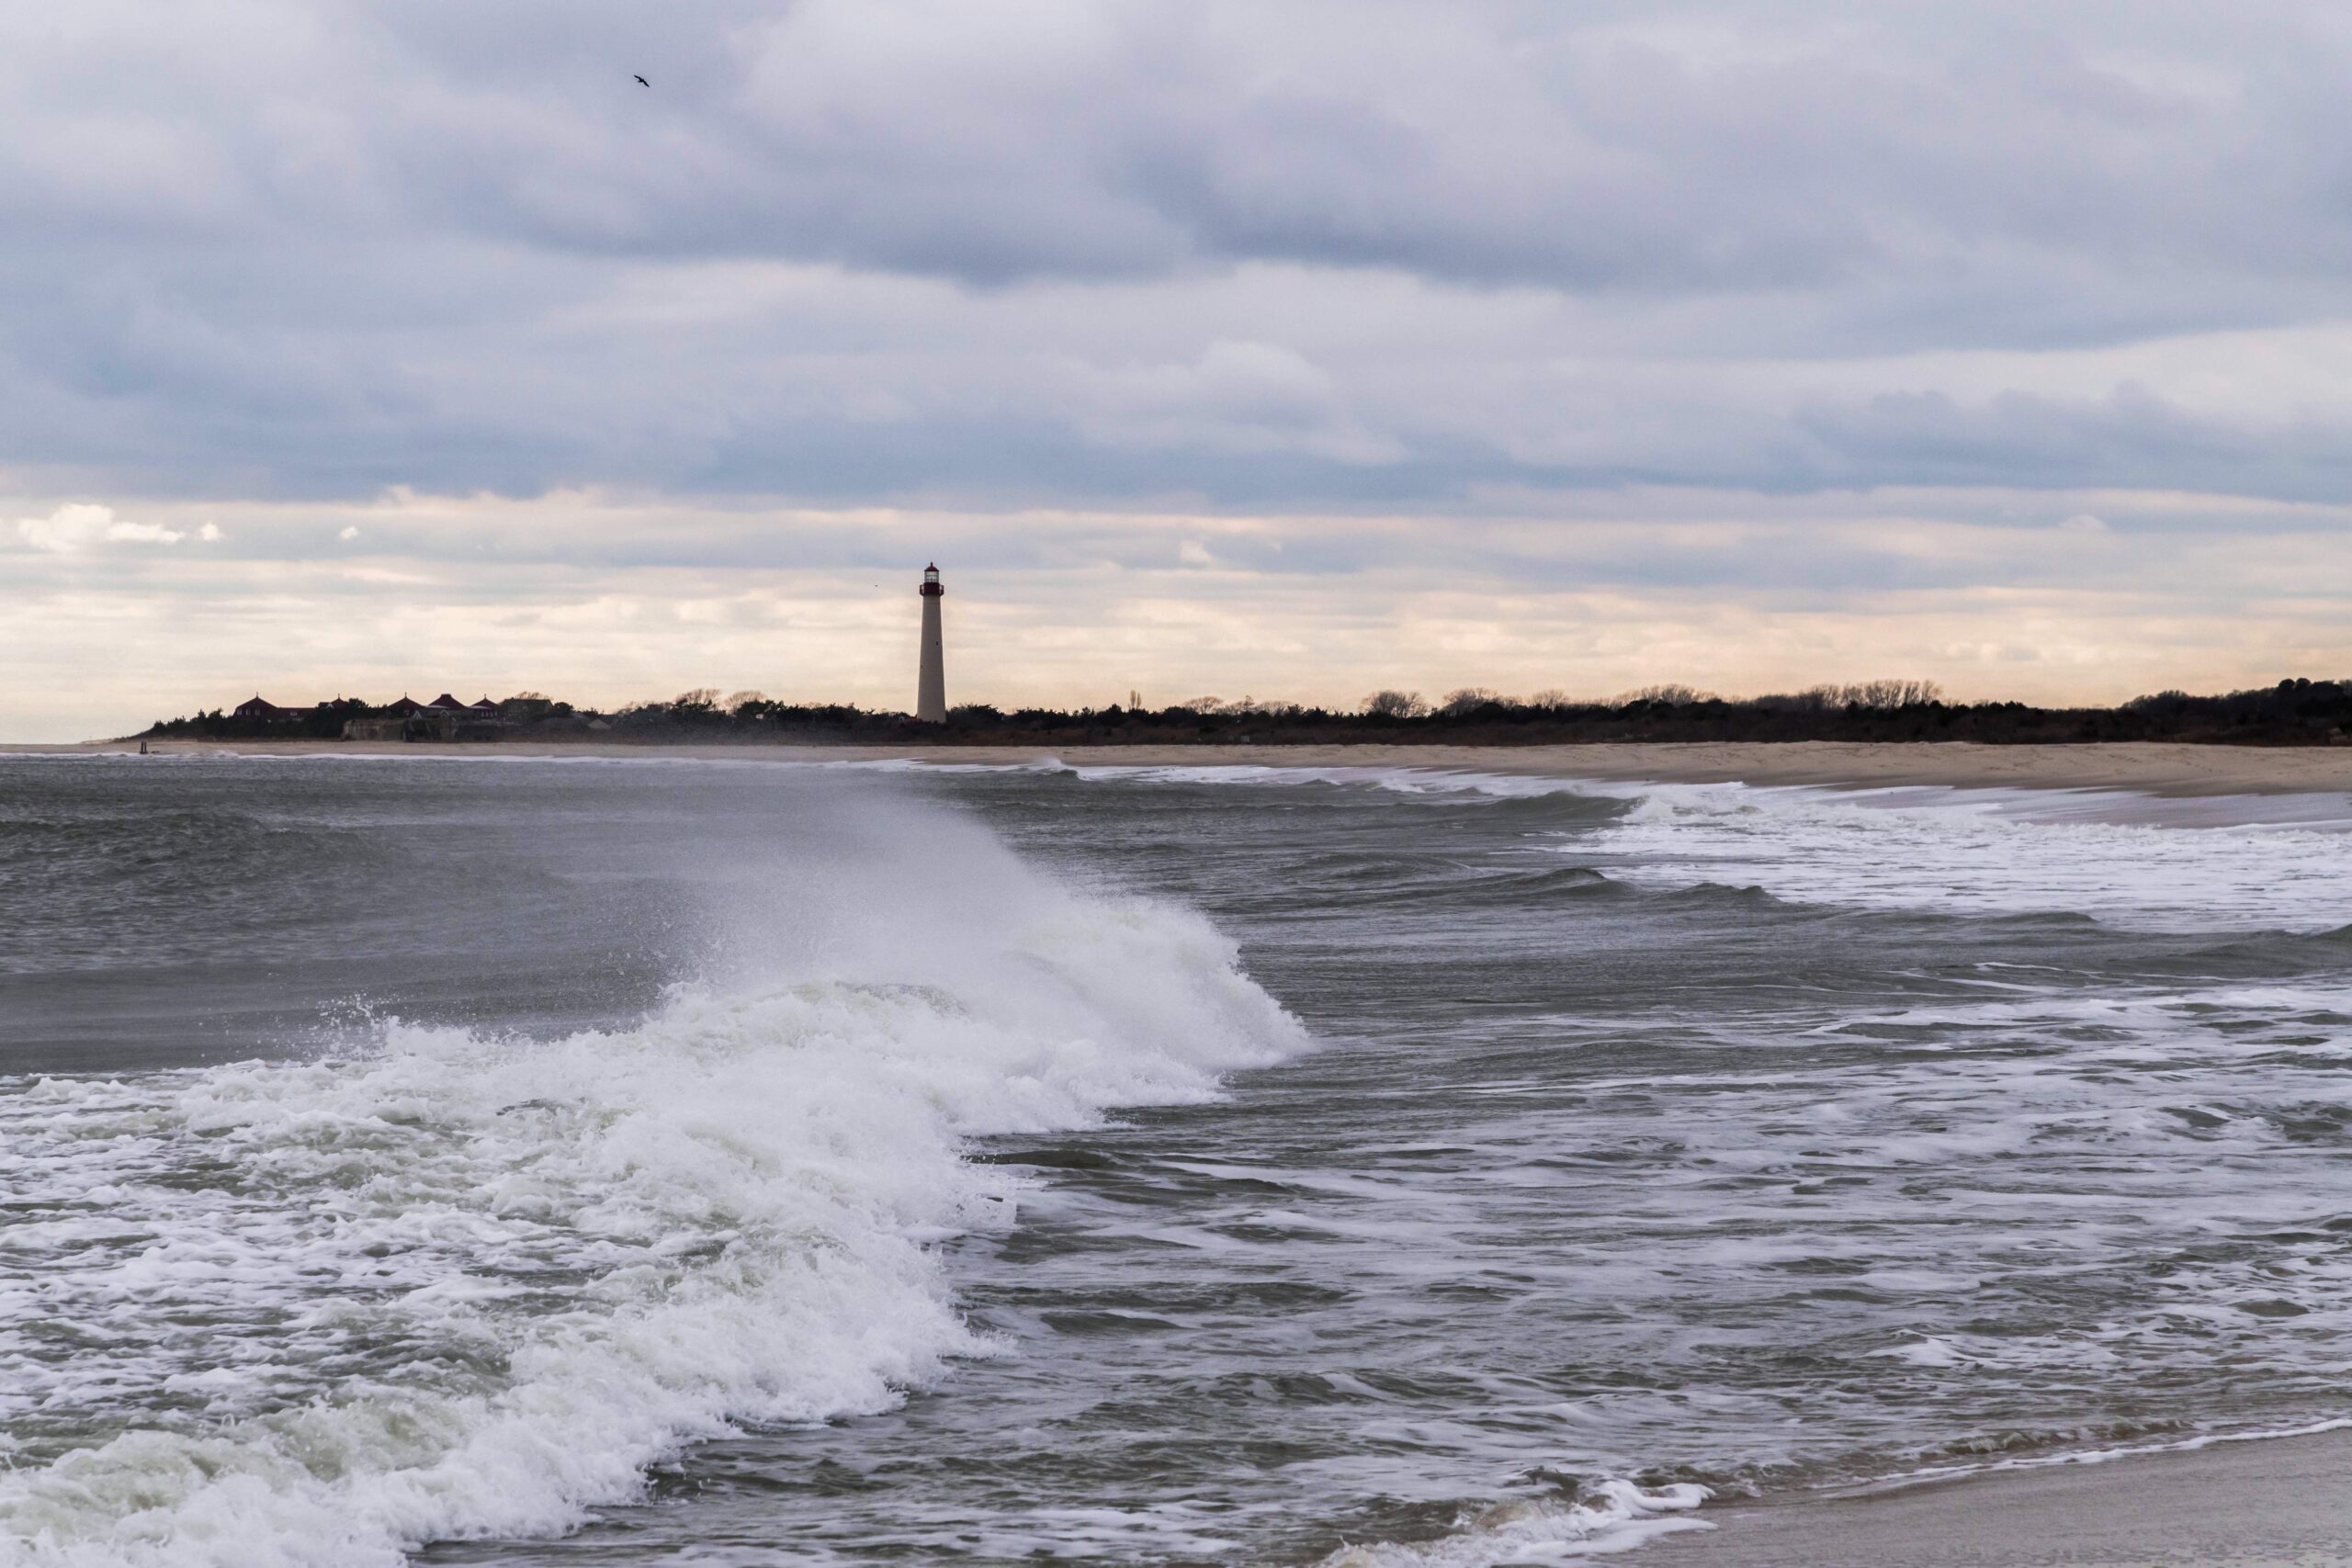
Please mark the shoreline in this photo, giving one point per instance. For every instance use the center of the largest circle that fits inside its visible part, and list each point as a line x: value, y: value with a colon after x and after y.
x: 2157, y: 768
x: 2255, y: 1502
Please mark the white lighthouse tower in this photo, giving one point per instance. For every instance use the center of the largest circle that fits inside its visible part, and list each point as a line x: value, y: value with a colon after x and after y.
x: 931, y: 692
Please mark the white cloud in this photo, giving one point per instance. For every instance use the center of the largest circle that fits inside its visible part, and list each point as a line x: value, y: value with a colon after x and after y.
x: 79, y: 525
x: 349, y: 534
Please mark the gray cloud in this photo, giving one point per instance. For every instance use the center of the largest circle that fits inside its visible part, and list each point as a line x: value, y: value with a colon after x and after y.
x: 1437, y: 264
x: 1668, y: 146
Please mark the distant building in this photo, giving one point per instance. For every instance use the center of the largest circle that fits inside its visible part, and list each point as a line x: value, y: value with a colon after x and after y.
x: 931, y: 685
x: 409, y: 721
x: 404, y: 718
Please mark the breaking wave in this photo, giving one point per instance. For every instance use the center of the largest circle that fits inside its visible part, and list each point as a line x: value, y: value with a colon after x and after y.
x: 439, y: 1283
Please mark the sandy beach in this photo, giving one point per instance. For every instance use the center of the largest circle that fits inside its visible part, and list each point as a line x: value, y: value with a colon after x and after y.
x: 2160, y: 769
x: 2270, y: 1503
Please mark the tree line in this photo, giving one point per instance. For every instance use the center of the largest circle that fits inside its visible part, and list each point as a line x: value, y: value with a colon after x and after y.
x: 2298, y: 712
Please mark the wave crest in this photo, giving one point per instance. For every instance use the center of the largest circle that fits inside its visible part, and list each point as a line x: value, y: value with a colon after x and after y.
x: 457, y: 1285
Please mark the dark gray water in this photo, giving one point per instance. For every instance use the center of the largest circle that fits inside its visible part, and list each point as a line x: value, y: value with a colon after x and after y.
x: 599, y: 1163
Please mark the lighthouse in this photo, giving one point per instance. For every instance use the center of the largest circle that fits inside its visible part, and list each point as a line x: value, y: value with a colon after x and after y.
x: 930, y: 691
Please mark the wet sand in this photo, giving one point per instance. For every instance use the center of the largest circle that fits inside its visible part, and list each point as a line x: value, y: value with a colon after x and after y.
x: 2264, y: 1504
x: 2152, y: 768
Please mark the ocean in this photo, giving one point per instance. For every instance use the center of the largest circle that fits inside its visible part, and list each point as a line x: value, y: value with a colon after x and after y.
x: 501, y: 1161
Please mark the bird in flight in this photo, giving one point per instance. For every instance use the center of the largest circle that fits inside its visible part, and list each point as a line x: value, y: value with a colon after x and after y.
x: 643, y: 83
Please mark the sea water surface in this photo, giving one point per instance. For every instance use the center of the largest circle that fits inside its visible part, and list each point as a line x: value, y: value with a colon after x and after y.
x: 579, y: 1162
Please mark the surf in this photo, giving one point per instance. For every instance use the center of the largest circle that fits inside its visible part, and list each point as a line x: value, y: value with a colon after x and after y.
x: 440, y: 1283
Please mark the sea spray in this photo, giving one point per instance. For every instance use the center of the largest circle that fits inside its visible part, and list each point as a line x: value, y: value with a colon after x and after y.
x: 462, y: 1285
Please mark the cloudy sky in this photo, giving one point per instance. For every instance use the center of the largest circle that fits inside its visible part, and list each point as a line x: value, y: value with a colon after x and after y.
x: 1286, y: 349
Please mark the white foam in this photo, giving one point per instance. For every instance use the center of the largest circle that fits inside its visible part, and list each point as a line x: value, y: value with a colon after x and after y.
x: 1622, y: 1516
x: 1979, y: 851
x: 453, y: 1285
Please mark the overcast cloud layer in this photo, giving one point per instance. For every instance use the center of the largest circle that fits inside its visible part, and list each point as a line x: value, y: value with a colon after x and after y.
x: 1289, y: 347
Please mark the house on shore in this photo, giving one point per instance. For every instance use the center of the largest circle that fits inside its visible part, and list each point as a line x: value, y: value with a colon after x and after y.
x: 444, y: 718
x: 260, y: 709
